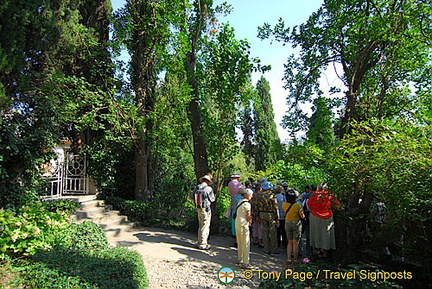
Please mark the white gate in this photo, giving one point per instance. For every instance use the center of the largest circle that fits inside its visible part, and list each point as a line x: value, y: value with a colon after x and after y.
x: 75, y: 181
x: 66, y: 176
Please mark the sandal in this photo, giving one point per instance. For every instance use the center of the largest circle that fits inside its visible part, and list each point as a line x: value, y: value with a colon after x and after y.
x: 205, y: 247
x: 246, y: 266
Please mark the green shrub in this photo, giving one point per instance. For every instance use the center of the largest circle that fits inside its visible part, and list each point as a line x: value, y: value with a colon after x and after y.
x: 81, y: 258
x: 223, y: 203
x: 141, y: 212
x: 191, y: 219
x: 64, y: 207
x: 83, y: 236
x: 31, y: 229
x: 150, y: 214
x: 297, y: 175
x: 63, y: 268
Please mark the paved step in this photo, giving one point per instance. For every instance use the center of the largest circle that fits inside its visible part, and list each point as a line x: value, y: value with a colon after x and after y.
x: 114, y: 224
x: 78, y: 198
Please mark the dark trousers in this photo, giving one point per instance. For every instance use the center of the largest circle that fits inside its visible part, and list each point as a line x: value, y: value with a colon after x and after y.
x: 281, y: 234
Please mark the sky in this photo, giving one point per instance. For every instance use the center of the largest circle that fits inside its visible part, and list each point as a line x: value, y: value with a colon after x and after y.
x: 246, y: 17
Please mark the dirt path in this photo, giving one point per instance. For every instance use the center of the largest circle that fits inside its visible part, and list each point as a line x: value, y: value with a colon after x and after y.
x: 172, y: 261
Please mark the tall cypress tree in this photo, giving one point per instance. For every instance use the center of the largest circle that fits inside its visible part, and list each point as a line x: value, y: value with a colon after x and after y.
x: 247, y: 127
x: 321, y: 130
x: 269, y: 147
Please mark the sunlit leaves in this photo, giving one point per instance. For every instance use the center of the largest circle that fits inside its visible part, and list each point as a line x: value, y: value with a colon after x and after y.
x: 226, y: 69
x: 382, y: 48
x: 392, y: 159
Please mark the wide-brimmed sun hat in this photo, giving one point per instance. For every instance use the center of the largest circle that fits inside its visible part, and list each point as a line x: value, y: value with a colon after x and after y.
x: 235, y: 175
x: 206, y: 178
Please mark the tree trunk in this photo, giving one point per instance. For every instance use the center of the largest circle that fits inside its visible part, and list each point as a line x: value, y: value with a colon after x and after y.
x: 199, y: 145
x: 144, y: 163
x: 143, y: 60
x: 351, y: 228
x: 350, y: 114
x: 194, y: 113
x: 144, y: 170
x: 350, y: 233
x: 141, y: 174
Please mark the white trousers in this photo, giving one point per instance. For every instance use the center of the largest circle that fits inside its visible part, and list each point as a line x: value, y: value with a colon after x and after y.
x: 243, y: 243
x: 204, y: 219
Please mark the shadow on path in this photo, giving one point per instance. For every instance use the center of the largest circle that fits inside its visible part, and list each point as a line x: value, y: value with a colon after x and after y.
x: 179, y: 247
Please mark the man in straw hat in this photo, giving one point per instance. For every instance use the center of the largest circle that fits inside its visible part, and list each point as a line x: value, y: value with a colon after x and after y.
x: 203, y: 196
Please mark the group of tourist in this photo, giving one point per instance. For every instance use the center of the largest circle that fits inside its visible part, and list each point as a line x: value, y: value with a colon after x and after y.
x: 275, y: 216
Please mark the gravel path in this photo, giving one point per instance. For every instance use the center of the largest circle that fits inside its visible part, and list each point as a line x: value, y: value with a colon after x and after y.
x: 172, y: 261
x: 171, y: 258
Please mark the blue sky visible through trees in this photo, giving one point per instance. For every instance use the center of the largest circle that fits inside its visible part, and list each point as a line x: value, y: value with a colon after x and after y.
x: 245, y: 18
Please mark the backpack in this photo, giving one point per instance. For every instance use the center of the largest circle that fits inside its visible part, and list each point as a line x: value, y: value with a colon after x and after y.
x: 306, y: 212
x: 235, y: 212
x: 305, y: 208
x: 201, y: 198
x: 289, y: 208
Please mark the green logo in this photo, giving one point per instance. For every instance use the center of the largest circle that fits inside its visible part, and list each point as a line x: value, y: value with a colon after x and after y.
x: 226, y: 275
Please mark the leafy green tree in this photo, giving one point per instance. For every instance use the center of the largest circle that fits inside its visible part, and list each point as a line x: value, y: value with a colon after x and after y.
x: 226, y: 71
x: 384, y: 58
x: 382, y: 48
x: 49, y: 52
x: 27, y: 117
x: 269, y: 148
x: 387, y: 161
x: 173, y: 142
x: 195, y: 24
x: 296, y: 174
x: 88, y: 57
x: 144, y: 28
x: 383, y: 52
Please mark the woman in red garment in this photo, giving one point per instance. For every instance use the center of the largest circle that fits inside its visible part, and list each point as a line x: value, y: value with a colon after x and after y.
x: 321, y: 225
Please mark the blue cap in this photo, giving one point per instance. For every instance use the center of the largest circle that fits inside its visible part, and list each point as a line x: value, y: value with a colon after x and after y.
x: 267, y: 186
